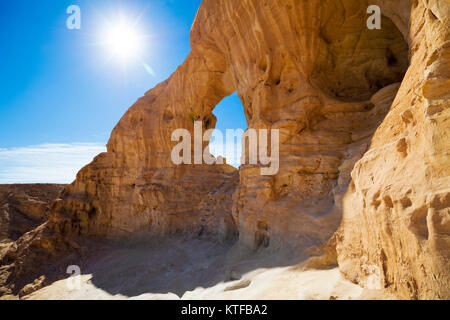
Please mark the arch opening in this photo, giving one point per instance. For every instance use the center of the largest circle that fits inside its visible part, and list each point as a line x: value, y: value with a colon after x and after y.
x: 231, y: 125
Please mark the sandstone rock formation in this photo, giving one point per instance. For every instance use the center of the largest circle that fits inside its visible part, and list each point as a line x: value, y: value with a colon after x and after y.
x: 23, y: 208
x: 396, y: 211
x: 364, y: 151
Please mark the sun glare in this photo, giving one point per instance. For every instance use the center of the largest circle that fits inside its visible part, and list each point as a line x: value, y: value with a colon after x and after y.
x: 123, y: 41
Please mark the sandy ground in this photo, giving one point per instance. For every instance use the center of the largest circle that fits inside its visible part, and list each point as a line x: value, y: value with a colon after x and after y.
x: 197, y: 269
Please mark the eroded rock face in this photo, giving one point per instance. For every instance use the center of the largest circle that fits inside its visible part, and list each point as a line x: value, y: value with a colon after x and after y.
x: 295, y: 70
x: 395, y: 227
x: 363, y: 151
x: 24, y: 207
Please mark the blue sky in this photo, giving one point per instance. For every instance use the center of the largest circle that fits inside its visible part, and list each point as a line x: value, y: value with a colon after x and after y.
x: 62, y: 94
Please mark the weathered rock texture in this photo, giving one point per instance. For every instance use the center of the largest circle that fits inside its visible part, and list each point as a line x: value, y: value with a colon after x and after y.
x: 396, y: 216
x: 24, y: 207
x: 363, y: 151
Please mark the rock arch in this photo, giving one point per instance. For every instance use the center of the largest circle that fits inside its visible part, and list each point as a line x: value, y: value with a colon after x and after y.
x: 362, y: 149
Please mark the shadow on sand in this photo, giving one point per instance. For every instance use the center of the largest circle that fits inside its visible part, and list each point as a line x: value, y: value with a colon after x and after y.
x: 173, y: 265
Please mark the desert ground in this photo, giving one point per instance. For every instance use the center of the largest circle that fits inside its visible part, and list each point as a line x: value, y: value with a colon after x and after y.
x: 196, y: 269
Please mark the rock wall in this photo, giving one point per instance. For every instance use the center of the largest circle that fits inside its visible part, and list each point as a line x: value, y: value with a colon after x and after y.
x: 295, y: 70
x: 24, y: 207
x: 362, y: 150
x: 395, y: 231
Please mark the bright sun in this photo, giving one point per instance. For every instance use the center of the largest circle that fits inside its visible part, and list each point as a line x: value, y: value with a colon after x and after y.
x: 123, y: 41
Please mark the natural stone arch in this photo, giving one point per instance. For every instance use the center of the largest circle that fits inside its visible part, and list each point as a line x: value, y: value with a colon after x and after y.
x: 275, y: 55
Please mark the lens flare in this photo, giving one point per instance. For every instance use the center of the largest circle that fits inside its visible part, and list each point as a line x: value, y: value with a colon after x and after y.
x: 123, y: 41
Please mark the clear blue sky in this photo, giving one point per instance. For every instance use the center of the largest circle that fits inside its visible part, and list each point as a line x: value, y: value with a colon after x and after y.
x: 61, y: 95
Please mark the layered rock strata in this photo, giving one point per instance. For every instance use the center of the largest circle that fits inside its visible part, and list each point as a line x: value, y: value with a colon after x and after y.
x: 24, y: 207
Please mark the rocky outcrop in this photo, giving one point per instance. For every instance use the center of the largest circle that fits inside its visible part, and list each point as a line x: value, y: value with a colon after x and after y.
x: 314, y: 86
x: 24, y: 207
x: 362, y: 150
x: 395, y: 231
